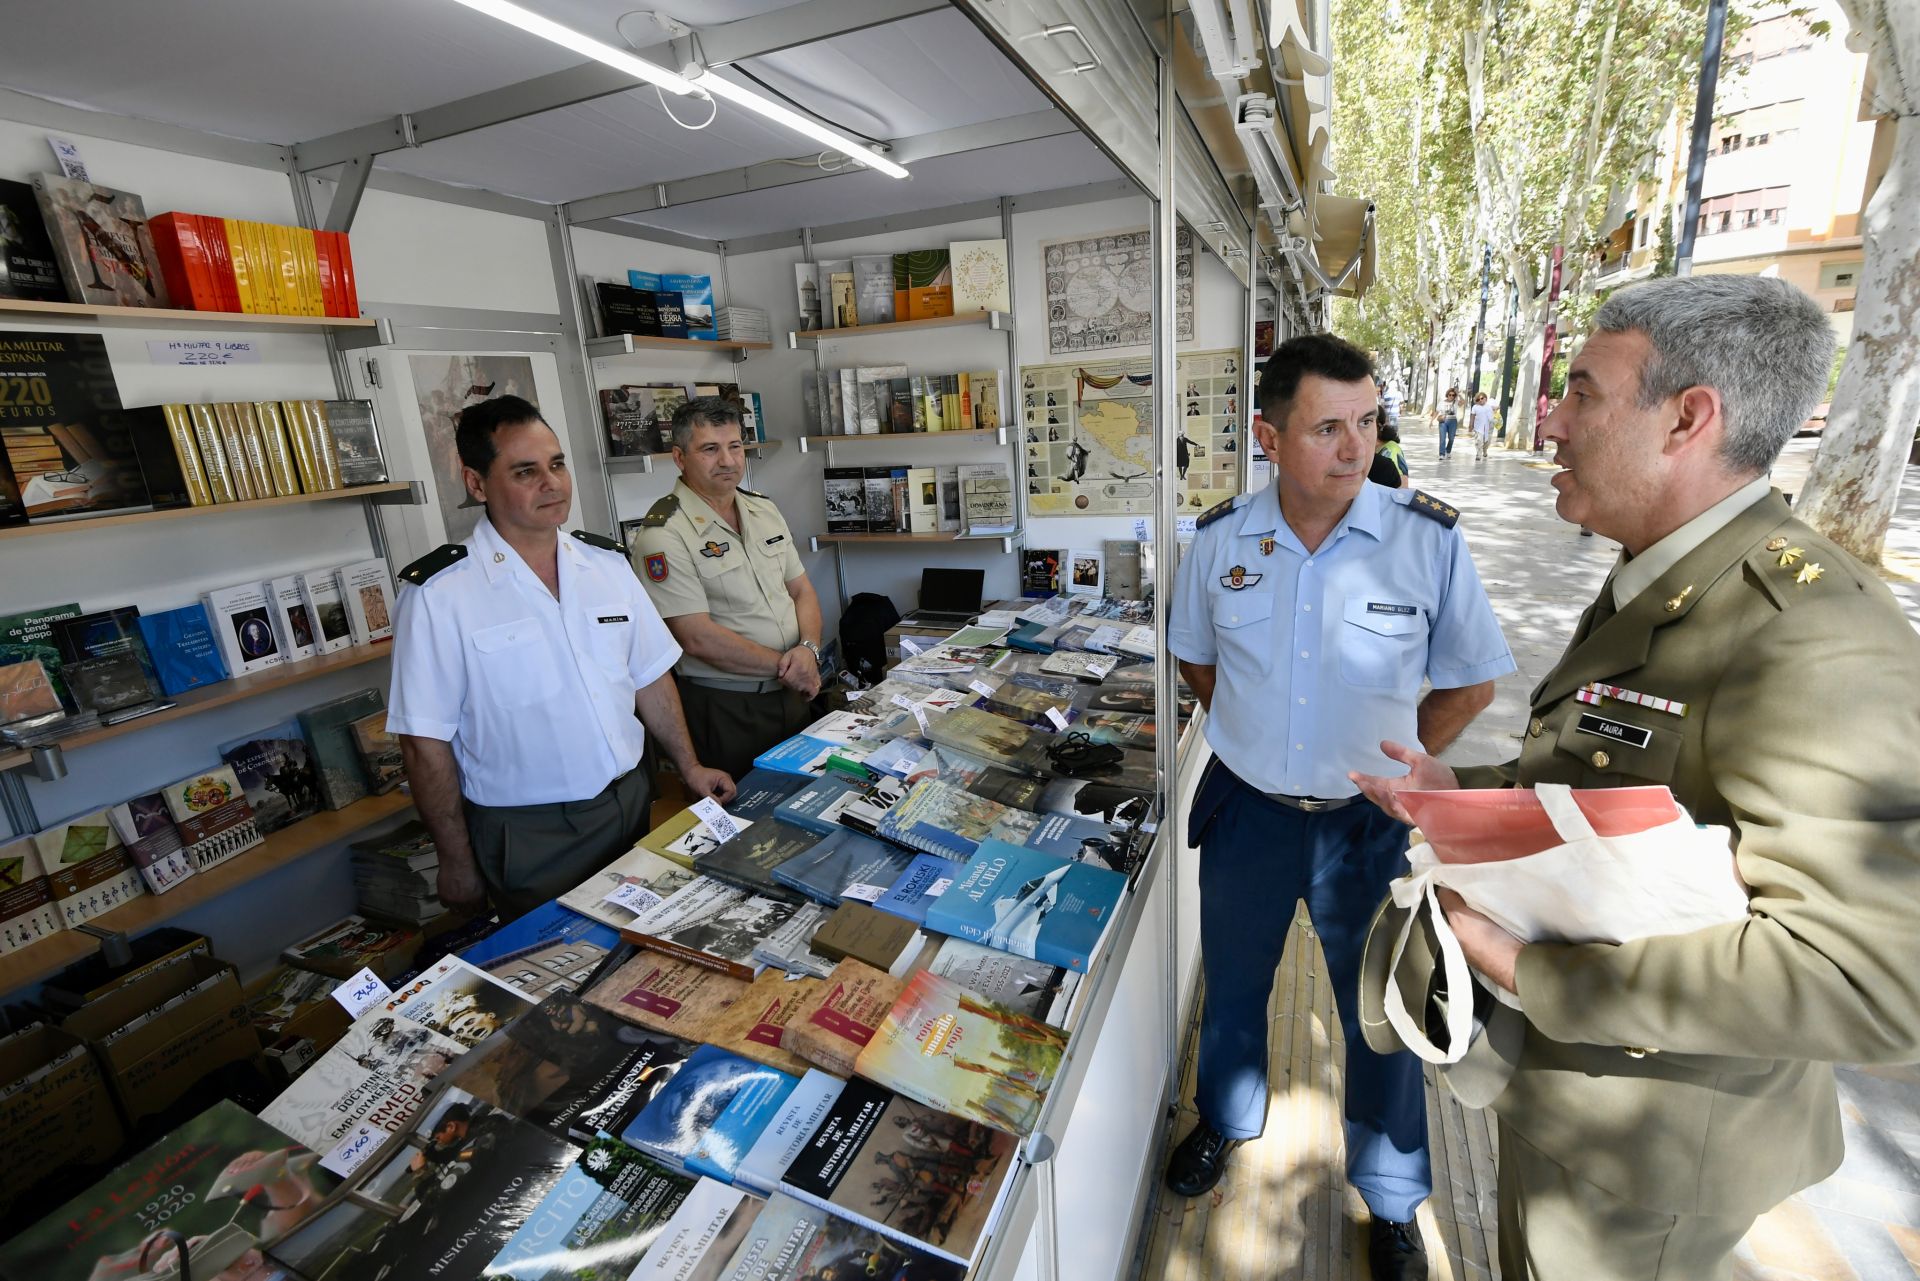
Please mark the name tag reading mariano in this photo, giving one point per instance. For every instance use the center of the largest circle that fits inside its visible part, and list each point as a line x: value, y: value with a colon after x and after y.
x: 1385, y: 607
x: 614, y: 618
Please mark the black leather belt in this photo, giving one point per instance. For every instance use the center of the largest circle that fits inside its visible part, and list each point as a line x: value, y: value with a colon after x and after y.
x: 1311, y: 804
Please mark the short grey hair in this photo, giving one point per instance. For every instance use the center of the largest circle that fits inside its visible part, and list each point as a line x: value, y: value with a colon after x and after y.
x: 1763, y: 344
x: 703, y: 411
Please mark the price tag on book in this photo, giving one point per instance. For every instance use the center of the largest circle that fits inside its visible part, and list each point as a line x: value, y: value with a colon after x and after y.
x: 348, y: 1154
x: 919, y: 713
x: 633, y: 896
x: 939, y: 887
x: 863, y: 893
x: 981, y: 688
x: 362, y: 992
x: 1058, y: 718
x: 718, y: 821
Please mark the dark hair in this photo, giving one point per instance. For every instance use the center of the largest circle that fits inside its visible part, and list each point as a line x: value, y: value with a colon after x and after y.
x: 1331, y: 358
x: 703, y: 411
x: 1388, y: 433
x: 473, y: 436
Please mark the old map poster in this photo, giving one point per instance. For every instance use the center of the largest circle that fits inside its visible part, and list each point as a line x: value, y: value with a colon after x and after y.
x: 1100, y: 291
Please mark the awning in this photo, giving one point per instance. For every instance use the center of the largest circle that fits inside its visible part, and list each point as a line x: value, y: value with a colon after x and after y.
x: 1343, y: 230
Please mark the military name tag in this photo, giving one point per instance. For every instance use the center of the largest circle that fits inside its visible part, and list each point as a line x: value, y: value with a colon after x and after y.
x: 1618, y: 731
x: 614, y: 618
x: 777, y: 538
x: 1382, y: 607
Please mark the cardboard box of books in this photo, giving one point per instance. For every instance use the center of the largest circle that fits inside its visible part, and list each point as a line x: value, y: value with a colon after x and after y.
x: 55, y: 1109
x: 159, y: 1035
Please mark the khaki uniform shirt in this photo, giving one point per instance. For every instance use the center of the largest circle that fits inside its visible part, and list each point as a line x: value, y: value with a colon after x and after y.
x: 695, y: 563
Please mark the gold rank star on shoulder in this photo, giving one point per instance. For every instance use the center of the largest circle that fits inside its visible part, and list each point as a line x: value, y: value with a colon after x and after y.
x: 1809, y: 573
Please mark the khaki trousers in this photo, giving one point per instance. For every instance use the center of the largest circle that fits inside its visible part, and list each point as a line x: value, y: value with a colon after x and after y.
x: 1555, y: 1226
x: 528, y: 854
x: 730, y: 727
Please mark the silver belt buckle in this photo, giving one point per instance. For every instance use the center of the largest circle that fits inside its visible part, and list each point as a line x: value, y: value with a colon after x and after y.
x: 1311, y: 804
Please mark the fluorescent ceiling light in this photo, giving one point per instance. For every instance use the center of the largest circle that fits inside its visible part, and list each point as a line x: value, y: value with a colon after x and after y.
x: 707, y: 82
x: 1253, y: 120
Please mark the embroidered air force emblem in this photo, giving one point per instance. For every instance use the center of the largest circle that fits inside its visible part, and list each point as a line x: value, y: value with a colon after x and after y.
x: 714, y: 551
x: 1238, y: 578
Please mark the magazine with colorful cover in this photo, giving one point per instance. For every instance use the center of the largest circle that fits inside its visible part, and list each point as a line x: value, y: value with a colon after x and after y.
x: 739, y: 1125
x: 459, y: 1000
x: 227, y: 1182
x: 793, y: 1241
x: 1025, y: 986
x: 1031, y: 903
x: 929, y: 1179
x: 597, y: 1222
x: 573, y: 1069
x: 957, y: 1051
x: 791, y: 1127
x: 465, y: 1181
x: 377, y: 1074
x: 680, y: 1119
x: 701, y: 1236
x: 938, y: 818
x: 711, y: 923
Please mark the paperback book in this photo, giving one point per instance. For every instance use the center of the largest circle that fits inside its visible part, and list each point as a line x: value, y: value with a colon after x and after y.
x: 701, y: 1236
x: 88, y: 868
x: 1031, y: 903
x: 242, y: 618
x: 101, y: 242
x: 667, y: 994
x: 833, y: 1026
x: 628, y: 888
x: 353, y: 943
x: 711, y: 923
x: 277, y: 773
x: 805, y: 1107
x: 598, y: 1221
x: 914, y: 890
x: 844, y: 865
x: 379, y: 753
x: 184, y: 650
x: 682, y: 1118
x: 151, y: 840
x: 1025, y: 986
x: 377, y: 1074
x: 749, y: 859
x: 937, y: 817
x: 214, y: 820
x: 27, y: 912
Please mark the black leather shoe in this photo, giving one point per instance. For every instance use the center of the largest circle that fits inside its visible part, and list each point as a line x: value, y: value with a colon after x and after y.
x: 1199, y: 1161
x: 1395, y: 1251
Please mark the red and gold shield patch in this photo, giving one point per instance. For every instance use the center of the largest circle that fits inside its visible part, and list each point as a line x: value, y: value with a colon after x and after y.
x: 657, y: 567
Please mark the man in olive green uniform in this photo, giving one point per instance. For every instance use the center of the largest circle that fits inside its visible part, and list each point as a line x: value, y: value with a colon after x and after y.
x: 721, y: 567
x: 1658, y: 1095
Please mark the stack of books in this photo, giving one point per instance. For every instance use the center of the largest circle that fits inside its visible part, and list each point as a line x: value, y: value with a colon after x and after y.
x: 397, y: 876
x: 744, y: 324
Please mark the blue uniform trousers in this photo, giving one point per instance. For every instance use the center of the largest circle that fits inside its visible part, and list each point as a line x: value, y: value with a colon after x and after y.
x: 1258, y: 858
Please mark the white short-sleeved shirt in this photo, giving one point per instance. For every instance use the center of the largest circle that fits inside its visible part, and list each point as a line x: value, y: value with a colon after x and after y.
x: 1482, y: 416
x: 534, y: 694
x: 1320, y: 655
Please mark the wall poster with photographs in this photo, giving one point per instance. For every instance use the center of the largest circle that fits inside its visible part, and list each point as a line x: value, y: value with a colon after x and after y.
x: 1088, y: 434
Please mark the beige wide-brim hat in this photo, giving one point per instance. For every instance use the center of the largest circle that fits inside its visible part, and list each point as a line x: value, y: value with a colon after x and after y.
x: 1482, y: 1075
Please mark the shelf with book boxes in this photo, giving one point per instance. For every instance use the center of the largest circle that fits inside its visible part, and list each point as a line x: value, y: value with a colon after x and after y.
x: 72, y: 241
x: 70, y: 679
x: 663, y: 311
x: 965, y: 283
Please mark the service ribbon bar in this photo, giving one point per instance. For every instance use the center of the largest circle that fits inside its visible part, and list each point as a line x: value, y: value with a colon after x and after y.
x: 1594, y: 692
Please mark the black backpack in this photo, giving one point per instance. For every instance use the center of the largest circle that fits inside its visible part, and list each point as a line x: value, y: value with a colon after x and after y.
x: 863, y: 635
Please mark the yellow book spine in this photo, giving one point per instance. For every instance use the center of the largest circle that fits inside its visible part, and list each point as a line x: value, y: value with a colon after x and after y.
x: 310, y: 270
x: 323, y: 435
x: 180, y: 432
x: 273, y: 433
x: 236, y: 451
x: 312, y: 478
x: 256, y: 449
x: 289, y: 264
x: 242, y: 264
x: 206, y: 434
x: 266, y: 277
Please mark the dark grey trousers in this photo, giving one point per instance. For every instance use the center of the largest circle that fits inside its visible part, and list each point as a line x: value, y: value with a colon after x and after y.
x: 528, y: 854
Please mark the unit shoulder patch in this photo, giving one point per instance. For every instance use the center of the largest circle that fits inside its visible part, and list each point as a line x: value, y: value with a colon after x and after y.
x: 601, y: 541
x: 1213, y: 513
x: 1433, y: 509
x: 661, y: 512
x: 433, y: 562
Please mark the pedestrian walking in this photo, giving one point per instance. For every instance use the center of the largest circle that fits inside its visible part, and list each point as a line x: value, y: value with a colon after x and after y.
x: 1481, y: 421
x: 1449, y: 420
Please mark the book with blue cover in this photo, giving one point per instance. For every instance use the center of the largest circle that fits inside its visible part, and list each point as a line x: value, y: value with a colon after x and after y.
x: 597, y: 1221
x: 760, y: 793
x: 936, y: 817
x: 696, y: 303
x: 804, y: 756
x: 805, y: 1107
x: 548, y: 923
x: 1030, y: 903
x: 926, y: 879
x: 739, y: 1126
x: 676, y: 1124
x: 815, y: 806
x: 277, y: 771
x: 1069, y: 835
x: 845, y: 864
x: 185, y: 653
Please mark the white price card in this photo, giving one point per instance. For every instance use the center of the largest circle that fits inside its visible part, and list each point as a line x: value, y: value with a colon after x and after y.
x: 863, y: 893
x: 633, y: 896
x: 350, y: 1152
x: 362, y: 992
x: 919, y: 713
x: 718, y: 821
x: 203, y: 351
x: 939, y: 887
x: 67, y: 155
x: 981, y: 688
x: 1059, y: 720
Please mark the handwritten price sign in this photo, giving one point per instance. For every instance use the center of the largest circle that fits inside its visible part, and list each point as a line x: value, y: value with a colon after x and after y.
x: 348, y: 1154
x: 362, y: 992
x: 203, y: 351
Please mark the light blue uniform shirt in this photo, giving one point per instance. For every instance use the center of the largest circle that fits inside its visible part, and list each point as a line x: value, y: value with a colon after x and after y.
x: 1318, y: 657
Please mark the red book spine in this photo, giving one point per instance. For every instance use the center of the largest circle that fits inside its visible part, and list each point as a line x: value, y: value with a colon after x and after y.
x: 213, y: 234
x: 348, y: 279
x: 166, y: 246
x: 193, y: 249
x: 329, y: 281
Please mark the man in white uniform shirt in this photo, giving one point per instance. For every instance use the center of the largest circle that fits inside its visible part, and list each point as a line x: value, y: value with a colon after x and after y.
x: 525, y: 666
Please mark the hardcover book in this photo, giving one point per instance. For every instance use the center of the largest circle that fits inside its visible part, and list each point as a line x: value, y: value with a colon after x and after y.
x: 379, y: 753
x: 961, y: 1053
x: 881, y: 516
x: 28, y: 268
x: 790, y: 1240
x: 680, y: 1119
x: 597, y: 1222
x: 1030, y: 903
x: 833, y: 1026
x: 210, y: 809
x: 669, y: 995
x: 242, y: 619
x: 320, y: 589
x: 277, y: 774
x: 343, y: 780
x: 26, y: 693
x: 929, y: 284
x: 816, y: 805
x: 753, y: 1026
x: 88, y: 868
x: 223, y: 1181
x: 573, y: 1069
x: 69, y: 446
x: 711, y: 923
x: 1025, y: 986
x: 937, y: 817
x: 468, y: 1178
x: 619, y: 309
x: 874, y: 1145
x: 27, y: 913
x: 862, y: 932
x: 873, y: 289
x: 378, y: 1074
x: 695, y: 294
x: 760, y: 1169
x: 356, y: 441
x: 368, y: 592
x: 642, y: 879
x: 925, y: 879
x: 748, y: 860
x: 627, y: 413
x: 101, y: 241
x: 701, y: 1236
x: 29, y: 637
x: 184, y: 650
x: 152, y: 841
x: 673, y: 319
x: 992, y: 738
x: 844, y: 865
x: 981, y: 280
x: 105, y: 660
x: 759, y: 792
x: 846, y: 500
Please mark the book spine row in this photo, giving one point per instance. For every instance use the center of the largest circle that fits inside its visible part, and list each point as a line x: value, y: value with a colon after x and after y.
x: 238, y: 451
x: 235, y: 265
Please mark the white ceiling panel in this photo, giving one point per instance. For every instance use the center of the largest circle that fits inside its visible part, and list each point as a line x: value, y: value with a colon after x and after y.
x: 1042, y: 165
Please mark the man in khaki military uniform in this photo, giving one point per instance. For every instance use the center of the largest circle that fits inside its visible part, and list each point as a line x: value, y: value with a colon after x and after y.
x: 720, y: 565
x: 1658, y: 1095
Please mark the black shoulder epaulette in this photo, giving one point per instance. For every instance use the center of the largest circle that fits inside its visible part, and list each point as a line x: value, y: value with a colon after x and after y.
x: 1433, y: 509
x: 433, y: 562
x: 658, y: 514
x: 601, y: 541
x: 1213, y: 513
x: 749, y: 492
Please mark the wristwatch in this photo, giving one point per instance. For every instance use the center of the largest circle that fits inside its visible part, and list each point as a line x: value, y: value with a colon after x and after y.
x: 813, y: 649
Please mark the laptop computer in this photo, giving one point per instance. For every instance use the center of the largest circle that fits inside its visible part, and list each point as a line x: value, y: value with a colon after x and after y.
x: 949, y: 596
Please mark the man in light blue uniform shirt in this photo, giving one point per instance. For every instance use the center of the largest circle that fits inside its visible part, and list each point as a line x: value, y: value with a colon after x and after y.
x: 1306, y: 618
